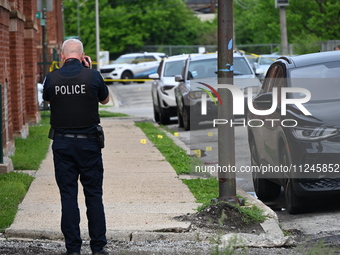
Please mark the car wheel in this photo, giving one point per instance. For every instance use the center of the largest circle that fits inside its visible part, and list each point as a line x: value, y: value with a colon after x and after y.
x: 180, y: 118
x: 265, y: 189
x: 126, y: 76
x: 294, y: 203
x: 155, y: 114
x: 163, y: 119
x: 186, y: 118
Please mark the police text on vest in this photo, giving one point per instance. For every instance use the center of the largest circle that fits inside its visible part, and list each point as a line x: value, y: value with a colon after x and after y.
x: 70, y: 89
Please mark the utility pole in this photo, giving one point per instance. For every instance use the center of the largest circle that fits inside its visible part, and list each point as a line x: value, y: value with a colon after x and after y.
x: 97, y: 37
x: 226, y: 133
x: 44, y: 6
x: 281, y: 4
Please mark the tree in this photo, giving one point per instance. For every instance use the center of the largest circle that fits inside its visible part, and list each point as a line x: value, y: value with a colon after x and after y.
x: 257, y: 21
x: 135, y: 23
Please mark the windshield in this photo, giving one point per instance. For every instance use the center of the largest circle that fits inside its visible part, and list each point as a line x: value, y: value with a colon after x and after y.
x: 173, y: 68
x: 322, y: 81
x: 208, y: 67
x: 241, y: 67
x: 267, y: 60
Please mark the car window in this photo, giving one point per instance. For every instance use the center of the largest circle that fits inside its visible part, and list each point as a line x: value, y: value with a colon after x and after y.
x: 173, y: 68
x: 241, y: 66
x: 139, y: 59
x: 207, y: 68
x: 203, y: 68
x: 266, y: 61
x: 149, y: 58
x: 124, y: 60
x: 274, y: 77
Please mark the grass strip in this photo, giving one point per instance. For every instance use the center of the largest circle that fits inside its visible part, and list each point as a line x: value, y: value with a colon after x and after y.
x: 29, y: 152
x: 13, y: 188
x: 204, y: 190
x: 107, y: 114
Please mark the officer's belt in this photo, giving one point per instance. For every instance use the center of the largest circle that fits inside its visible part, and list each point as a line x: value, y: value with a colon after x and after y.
x: 76, y: 135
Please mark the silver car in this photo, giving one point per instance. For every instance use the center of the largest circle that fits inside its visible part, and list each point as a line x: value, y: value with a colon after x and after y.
x: 262, y: 64
x: 162, y: 88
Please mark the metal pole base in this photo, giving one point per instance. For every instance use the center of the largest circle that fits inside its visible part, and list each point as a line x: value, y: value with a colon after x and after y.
x: 231, y: 200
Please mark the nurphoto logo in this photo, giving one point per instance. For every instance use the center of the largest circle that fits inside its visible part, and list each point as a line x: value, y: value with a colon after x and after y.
x: 239, y: 97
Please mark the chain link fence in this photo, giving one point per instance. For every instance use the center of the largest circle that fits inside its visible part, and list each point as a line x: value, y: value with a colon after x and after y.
x: 171, y: 50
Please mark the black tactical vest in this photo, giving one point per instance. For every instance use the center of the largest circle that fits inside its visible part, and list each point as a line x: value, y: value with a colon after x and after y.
x: 71, y: 101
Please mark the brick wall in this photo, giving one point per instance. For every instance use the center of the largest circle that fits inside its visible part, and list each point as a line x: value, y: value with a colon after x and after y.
x: 5, y: 77
x: 30, y: 61
x: 17, y: 90
x: 20, y: 51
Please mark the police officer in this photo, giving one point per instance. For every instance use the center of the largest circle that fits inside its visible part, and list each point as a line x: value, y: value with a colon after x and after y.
x: 73, y: 92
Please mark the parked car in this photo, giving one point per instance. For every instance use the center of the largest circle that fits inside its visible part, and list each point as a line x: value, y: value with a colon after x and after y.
x: 42, y: 104
x: 162, y: 88
x: 132, y: 66
x: 262, y: 63
x: 202, y: 68
x: 303, y: 148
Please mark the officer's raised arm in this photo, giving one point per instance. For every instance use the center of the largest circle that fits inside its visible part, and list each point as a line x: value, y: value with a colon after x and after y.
x: 106, y: 100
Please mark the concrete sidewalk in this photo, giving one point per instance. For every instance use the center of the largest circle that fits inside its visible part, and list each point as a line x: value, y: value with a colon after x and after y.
x: 141, y: 191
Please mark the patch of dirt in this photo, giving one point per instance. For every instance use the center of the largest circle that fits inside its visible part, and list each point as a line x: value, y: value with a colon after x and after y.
x: 221, y: 217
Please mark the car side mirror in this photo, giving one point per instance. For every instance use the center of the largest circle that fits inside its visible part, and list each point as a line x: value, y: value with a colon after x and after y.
x: 178, y: 78
x: 259, y: 71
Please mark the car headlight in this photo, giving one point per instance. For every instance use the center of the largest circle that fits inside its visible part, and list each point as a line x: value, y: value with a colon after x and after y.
x: 195, y: 94
x: 314, y: 133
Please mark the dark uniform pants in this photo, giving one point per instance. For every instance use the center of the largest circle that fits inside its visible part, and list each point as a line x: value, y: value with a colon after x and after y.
x: 74, y: 158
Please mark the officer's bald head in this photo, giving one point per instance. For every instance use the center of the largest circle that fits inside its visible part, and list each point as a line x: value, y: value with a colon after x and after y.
x: 72, y: 48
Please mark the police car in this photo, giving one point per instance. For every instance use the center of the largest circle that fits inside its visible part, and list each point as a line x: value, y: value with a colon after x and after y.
x: 132, y: 66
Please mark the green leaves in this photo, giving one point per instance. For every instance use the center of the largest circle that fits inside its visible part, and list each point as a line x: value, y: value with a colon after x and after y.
x: 133, y: 24
x: 258, y: 22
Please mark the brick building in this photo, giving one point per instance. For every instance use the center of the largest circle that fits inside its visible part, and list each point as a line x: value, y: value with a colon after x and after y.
x: 20, y: 71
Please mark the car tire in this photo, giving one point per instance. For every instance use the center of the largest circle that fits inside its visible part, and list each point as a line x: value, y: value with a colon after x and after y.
x: 186, y: 118
x: 126, y: 75
x: 156, y: 114
x: 294, y: 203
x: 180, y: 118
x: 163, y: 119
x: 265, y: 190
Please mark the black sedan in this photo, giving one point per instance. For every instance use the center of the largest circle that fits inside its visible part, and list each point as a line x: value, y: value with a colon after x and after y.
x: 294, y: 130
